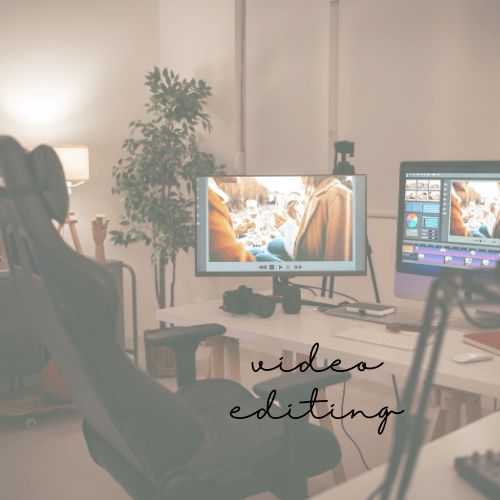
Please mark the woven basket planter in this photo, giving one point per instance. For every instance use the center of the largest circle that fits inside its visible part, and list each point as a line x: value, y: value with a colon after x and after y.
x: 160, y: 360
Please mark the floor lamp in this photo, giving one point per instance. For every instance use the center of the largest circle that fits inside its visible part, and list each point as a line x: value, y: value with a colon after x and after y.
x: 75, y: 162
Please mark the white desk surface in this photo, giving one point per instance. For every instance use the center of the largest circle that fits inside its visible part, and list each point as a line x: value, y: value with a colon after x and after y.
x: 434, y: 476
x: 298, y: 332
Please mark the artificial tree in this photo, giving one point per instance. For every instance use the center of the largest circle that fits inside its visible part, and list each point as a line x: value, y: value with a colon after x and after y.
x: 156, y: 179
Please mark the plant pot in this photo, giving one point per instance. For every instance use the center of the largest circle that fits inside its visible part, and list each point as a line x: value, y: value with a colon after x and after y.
x: 160, y: 360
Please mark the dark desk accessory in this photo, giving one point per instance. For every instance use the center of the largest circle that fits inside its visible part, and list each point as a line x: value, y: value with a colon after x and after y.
x: 282, y: 286
x: 343, y: 167
x: 482, y: 472
x: 402, y: 315
x: 407, y: 327
x: 291, y: 300
x: 410, y: 426
x: 244, y: 301
x: 366, y: 308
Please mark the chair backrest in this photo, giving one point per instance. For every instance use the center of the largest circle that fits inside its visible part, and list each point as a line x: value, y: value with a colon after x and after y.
x: 73, y: 301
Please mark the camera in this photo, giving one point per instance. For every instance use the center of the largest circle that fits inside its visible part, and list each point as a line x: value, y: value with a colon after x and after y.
x: 243, y: 301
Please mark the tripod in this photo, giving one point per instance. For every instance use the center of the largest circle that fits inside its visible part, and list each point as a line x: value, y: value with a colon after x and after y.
x: 71, y: 223
x: 343, y: 167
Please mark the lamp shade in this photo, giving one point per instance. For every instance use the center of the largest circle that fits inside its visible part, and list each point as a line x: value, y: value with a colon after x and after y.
x: 75, y: 162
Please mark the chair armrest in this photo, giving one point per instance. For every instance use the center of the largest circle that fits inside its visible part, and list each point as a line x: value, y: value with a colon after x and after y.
x: 171, y: 336
x: 184, y: 341
x: 291, y: 384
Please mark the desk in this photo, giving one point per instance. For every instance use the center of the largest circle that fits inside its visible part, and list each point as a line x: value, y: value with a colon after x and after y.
x: 298, y: 332
x: 434, y: 476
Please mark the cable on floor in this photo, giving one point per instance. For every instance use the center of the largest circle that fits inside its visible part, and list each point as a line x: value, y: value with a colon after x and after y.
x: 347, y: 434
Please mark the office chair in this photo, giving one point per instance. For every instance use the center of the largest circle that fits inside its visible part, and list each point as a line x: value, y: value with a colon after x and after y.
x: 158, y: 445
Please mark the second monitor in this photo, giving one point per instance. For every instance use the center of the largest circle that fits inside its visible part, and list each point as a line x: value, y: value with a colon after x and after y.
x: 448, y: 218
x: 285, y: 225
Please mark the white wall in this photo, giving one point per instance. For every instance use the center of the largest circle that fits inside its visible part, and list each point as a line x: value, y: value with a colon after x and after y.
x: 287, y: 86
x: 418, y: 80
x: 72, y: 72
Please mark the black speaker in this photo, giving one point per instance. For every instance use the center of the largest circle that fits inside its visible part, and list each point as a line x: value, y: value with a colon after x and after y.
x: 291, y: 300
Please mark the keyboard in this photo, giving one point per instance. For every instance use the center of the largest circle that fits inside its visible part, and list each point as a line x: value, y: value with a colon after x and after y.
x: 381, y: 337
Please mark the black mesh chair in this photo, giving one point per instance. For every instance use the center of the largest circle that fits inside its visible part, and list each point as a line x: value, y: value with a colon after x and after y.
x: 156, y: 444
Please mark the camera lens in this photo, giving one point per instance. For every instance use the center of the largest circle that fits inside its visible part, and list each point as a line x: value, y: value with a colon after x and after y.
x: 261, y: 305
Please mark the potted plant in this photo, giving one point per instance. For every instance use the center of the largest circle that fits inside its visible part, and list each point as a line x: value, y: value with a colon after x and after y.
x: 156, y: 179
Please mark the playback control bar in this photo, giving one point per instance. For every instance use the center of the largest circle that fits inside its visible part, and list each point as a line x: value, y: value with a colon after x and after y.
x: 280, y: 267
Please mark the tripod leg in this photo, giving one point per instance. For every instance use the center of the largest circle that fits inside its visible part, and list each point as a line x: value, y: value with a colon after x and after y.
x: 372, y: 270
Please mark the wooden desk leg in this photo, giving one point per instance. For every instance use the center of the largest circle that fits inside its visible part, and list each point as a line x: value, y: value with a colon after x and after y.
x: 338, y: 472
x: 435, y: 397
x: 473, y: 410
x: 233, y: 356
x: 449, y: 413
x: 218, y: 358
x: 206, y: 343
x: 209, y: 368
x: 287, y: 362
x: 452, y: 401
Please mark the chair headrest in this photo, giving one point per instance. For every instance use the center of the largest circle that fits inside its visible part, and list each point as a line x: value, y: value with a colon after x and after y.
x: 39, y: 172
x: 45, y: 166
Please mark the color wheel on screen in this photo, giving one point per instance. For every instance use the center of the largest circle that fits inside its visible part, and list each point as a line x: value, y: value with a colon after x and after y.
x: 411, y: 220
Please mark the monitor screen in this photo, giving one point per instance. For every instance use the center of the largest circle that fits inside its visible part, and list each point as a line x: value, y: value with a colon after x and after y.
x: 449, y: 216
x: 285, y: 225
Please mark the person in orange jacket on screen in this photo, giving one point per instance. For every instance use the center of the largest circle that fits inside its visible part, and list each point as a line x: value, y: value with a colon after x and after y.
x: 223, y: 244
x: 457, y: 226
x: 325, y: 231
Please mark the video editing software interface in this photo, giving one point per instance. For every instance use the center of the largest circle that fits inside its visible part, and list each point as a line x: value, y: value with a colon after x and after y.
x: 450, y: 220
x: 273, y: 225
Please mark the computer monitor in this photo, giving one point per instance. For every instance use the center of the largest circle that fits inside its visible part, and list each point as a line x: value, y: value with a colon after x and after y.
x: 286, y: 225
x: 448, y: 217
